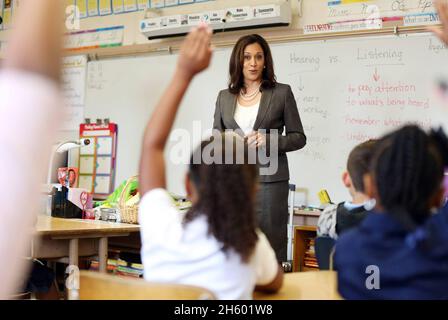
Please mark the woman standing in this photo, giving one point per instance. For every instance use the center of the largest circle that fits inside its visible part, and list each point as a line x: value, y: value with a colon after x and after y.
x: 255, y: 105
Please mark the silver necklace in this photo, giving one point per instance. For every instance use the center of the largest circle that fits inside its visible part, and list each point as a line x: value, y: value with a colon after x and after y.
x: 251, y: 96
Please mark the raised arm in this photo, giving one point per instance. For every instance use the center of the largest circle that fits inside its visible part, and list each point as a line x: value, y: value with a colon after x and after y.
x: 194, y: 56
x: 442, y: 10
x: 35, y: 43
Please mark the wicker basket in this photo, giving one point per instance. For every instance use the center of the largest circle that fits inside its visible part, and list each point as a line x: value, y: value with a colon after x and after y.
x: 129, y: 214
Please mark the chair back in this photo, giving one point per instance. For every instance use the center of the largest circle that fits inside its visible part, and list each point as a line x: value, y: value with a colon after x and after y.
x: 324, y: 252
x: 99, y: 286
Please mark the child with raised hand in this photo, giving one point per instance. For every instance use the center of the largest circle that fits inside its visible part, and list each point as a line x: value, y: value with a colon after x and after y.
x: 336, y: 219
x: 216, y: 245
x: 399, y: 251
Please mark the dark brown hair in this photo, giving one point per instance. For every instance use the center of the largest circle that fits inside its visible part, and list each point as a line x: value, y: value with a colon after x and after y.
x: 226, y: 193
x: 358, y: 163
x: 236, y: 80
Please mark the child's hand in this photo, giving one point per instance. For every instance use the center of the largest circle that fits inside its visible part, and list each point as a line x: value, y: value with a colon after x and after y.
x: 441, y: 33
x: 195, y: 52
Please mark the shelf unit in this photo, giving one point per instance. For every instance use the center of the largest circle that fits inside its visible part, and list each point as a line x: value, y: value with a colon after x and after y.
x: 302, y: 237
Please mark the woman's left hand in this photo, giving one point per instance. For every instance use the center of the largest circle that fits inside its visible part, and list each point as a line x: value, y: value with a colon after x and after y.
x: 256, y: 140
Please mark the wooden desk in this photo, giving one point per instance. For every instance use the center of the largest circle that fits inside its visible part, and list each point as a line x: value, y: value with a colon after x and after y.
x: 313, y: 285
x: 56, y: 238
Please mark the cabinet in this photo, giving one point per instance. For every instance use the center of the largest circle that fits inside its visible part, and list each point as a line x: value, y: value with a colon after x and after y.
x: 303, y: 249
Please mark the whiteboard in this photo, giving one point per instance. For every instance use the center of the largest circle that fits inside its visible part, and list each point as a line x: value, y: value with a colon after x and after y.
x: 347, y: 91
x: 73, y: 87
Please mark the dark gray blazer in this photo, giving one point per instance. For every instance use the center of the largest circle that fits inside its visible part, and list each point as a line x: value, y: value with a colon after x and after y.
x: 278, y: 110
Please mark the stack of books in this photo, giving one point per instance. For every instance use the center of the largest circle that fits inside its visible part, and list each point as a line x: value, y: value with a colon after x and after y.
x: 111, y: 265
x: 121, y: 268
x: 310, y: 260
x: 133, y: 270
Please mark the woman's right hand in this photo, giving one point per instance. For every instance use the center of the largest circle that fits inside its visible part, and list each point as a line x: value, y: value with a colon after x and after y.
x: 195, y: 53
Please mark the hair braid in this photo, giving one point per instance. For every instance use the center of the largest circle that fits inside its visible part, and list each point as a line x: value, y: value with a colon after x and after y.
x: 408, y: 169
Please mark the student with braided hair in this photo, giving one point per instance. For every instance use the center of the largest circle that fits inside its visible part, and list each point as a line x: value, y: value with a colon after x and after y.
x: 400, y: 250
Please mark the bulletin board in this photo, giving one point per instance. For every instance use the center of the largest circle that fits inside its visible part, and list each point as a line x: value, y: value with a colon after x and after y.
x: 97, y: 160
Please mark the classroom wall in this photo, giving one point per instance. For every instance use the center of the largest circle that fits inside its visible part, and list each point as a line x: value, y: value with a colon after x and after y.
x: 314, y: 11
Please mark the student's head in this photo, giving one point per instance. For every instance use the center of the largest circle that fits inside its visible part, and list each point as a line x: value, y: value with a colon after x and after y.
x: 407, y: 172
x: 358, y: 165
x: 251, y: 60
x: 225, y: 193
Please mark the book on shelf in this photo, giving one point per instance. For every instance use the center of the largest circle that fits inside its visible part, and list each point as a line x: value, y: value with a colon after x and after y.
x: 111, y: 265
x: 131, y: 270
x: 120, y: 267
x: 312, y: 266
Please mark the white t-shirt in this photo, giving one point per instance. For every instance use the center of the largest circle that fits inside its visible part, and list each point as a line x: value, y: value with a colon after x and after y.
x: 186, y: 254
x: 29, y: 104
x: 245, y: 117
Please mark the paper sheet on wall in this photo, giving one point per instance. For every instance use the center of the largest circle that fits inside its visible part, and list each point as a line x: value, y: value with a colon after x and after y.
x: 95, y: 38
x: 103, y: 165
x: 88, y: 150
x: 157, y: 3
x: 104, y: 146
x: 411, y: 12
x: 86, y: 165
x: 143, y: 4
x: 92, y: 7
x: 117, y: 6
x: 130, y: 5
x: 170, y: 3
x: 105, y: 7
x: 86, y: 182
x: 102, y: 184
x: 74, y: 73
x: 82, y: 7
